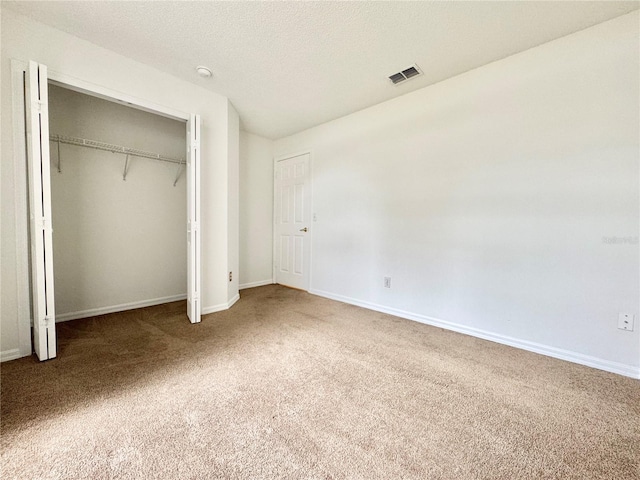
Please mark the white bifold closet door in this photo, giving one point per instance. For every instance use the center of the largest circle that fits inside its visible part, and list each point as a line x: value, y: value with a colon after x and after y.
x: 193, y: 219
x: 37, y: 111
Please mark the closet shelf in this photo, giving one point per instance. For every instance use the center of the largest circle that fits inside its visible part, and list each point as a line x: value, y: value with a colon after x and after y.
x: 84, y: 142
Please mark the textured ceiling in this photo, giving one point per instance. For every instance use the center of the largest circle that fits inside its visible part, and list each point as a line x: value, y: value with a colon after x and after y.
x: 288, y: 66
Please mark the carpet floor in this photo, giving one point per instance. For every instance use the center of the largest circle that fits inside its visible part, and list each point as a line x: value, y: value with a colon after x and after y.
x: 290, y: 385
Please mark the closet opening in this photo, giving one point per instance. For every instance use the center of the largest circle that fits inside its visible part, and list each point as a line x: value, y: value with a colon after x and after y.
x: 113, y: 186
x: 119, y: 206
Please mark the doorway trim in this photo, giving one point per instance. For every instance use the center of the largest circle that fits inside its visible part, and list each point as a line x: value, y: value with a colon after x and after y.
x: 21, y: 179
x: 72, y: 83
x: 274, y: 242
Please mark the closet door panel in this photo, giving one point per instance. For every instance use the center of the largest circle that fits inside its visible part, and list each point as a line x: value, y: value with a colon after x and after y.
x: 193, y: 219
x: 37, y: 112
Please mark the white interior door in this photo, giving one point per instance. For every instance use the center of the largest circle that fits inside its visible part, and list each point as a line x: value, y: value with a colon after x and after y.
x: 37, y: 111
x: 293, y: 222
x: 193, y: 219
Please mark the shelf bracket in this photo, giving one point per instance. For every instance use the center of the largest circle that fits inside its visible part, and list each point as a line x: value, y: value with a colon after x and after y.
x: 126, y: 169
x: 59, y: 166
x: 178, y: 173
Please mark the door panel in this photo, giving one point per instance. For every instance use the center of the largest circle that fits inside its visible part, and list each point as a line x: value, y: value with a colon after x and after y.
x: 193, y: 220
x: 284, y: 253
x: 285, y: 204
x: 37, y: 112
x: 293, y: 221
x: 298, y: 203
x: 298, y: 255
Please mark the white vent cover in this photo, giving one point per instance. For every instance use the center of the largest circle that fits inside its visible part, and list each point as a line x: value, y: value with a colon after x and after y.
x: 406, y: 74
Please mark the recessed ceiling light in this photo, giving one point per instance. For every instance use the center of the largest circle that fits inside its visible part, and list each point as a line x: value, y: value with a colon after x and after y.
x: 204, y: 72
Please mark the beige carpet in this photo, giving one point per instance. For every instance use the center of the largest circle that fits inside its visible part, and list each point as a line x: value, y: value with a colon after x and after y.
x: 289, y: 385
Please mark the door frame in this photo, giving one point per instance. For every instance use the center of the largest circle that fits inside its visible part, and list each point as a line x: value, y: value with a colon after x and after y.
x: 273, y: 209
x: 21, y: 207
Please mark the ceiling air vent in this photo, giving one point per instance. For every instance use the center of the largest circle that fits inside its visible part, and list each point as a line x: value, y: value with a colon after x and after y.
x: 406, y: 74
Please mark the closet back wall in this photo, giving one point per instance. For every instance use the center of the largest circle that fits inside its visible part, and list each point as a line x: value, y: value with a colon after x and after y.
x: 117, y: 244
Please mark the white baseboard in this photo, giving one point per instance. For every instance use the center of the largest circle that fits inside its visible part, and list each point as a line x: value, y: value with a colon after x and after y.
x: 261, y: 283
x: 589, y: 361
x: 234, y: 300
x: 221, y: 306
x: 12, y: 354
x: 118, y: 308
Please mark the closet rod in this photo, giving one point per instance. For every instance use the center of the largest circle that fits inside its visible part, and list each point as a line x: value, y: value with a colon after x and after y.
x: 84, y: 142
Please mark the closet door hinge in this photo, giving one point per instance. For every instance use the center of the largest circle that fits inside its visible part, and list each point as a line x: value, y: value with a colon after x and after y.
x: 44, y: 225
x: 39, y: 106
x: 195, y: 144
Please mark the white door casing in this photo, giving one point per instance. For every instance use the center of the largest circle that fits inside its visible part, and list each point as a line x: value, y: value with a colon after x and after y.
x: 193, y: 219
x: 37, y: 129
x: 292, y: 217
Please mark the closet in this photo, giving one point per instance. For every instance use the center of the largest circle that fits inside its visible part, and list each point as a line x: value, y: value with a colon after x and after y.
x: 119, y: 245
x: 118, y: 196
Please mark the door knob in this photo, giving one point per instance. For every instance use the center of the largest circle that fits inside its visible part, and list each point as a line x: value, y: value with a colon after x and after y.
x: 304, y: 229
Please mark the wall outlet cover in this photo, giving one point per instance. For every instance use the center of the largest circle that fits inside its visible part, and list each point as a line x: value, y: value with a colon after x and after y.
x: 625, y: 321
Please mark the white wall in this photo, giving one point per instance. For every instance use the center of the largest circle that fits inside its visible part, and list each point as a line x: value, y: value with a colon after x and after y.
x: 256, y: 210
x: 115, y: 242
x: 489, y: 200
x: 24, y: 39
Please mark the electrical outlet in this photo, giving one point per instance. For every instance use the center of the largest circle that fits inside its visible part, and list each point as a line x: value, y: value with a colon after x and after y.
x: 625, y: 321
x: 387, y: 282
x: 230, y: 276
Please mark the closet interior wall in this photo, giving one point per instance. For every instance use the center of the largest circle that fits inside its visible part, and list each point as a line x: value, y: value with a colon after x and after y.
x: 117, y: 243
